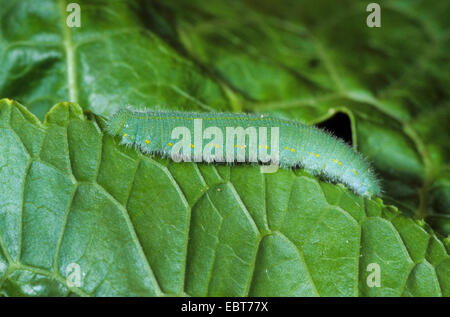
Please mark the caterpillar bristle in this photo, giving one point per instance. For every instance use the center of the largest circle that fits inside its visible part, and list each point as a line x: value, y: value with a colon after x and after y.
x: 164, y: 132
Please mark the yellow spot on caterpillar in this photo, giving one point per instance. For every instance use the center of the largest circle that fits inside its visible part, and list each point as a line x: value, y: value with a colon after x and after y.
x: 356, y: 173
x: 170, y: 144
x: 335, y: 161
x: 125, y: 135
x: 311, y: 153
x: 217, y: 146
x: 292, y: 150
x: 266, y: 147
x: 147, y: 141
x: 192, y: 146
x: 286, y: 148
x: 340, y: 163
x: 317, y: 155
x: 235, y: 145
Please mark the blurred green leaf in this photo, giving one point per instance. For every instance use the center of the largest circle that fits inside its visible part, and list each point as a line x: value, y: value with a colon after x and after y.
x: 144, y: 226
x: 109, y: 62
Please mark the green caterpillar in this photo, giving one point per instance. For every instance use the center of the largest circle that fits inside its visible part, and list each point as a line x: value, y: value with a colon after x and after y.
x: 231, y: 138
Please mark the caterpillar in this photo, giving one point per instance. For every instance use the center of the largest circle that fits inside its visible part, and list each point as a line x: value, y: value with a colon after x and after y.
x: 233, y: 137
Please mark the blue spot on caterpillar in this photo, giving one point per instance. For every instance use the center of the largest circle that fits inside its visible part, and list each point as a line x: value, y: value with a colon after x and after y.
x: 230, y: 138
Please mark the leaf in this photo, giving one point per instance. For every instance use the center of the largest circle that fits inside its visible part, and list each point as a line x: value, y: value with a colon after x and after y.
x: 45, y: 61
x: 141, y: 226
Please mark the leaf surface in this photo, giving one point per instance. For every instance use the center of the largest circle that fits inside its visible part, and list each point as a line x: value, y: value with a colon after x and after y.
x: 141, y: 226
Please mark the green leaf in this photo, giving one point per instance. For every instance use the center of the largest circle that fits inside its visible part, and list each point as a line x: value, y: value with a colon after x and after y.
x: 44, y: 61
x: 136, y: 225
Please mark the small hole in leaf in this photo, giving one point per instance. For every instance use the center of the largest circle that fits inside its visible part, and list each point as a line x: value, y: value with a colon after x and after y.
x: 339, y: 125
x: 314, y: 62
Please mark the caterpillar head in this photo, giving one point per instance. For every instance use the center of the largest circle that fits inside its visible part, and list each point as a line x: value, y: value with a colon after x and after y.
x: 371, y: 189
x: 117, y: 122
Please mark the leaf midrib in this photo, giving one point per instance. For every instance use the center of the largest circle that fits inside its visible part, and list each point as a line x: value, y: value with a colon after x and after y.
x: 70, y: 52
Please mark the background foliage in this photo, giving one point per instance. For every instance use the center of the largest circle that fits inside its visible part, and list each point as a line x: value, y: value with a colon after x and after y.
x: 146, y: 226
